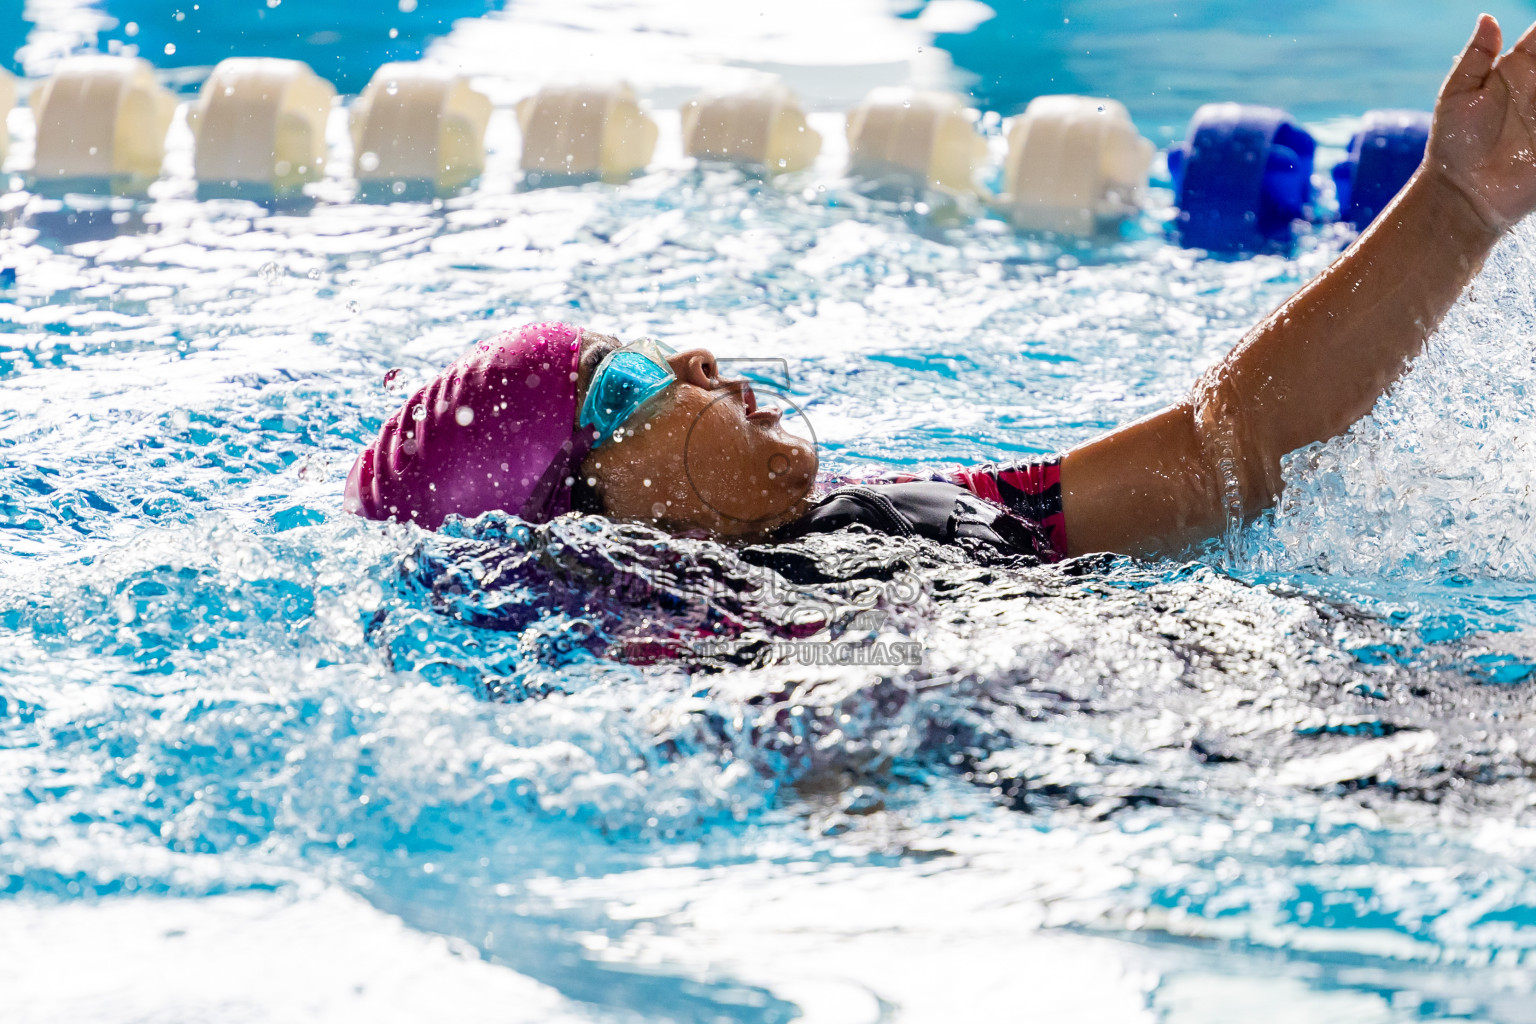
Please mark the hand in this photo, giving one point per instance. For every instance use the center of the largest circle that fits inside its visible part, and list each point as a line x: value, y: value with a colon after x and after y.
x: 1483, y: 141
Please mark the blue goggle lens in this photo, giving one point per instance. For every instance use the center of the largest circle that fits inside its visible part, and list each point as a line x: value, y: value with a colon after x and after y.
x: 626, y: 380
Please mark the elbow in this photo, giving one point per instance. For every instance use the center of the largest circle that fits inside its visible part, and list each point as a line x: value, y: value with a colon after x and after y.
x: 1237, y: 455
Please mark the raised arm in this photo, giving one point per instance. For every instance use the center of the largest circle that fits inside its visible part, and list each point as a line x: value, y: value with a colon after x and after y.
x: 1321, y: 360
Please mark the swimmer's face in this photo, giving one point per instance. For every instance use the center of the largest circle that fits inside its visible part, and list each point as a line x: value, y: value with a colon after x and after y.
x: 701, y: 455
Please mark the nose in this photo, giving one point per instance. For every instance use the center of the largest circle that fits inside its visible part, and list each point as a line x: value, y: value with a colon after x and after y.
x: 696, y: 366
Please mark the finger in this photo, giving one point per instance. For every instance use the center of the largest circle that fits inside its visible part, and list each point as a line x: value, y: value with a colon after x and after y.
x: 1527, y: 43
x: 1519, y: 65
x: 1476, y: 62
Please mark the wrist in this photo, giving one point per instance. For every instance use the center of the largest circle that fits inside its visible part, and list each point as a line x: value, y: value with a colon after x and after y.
x: 1460, y: 208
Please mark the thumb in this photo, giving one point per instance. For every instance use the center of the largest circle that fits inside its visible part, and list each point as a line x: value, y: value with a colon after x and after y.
x: 1476, y: 61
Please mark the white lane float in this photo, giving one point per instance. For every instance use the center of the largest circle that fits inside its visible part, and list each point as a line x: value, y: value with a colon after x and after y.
x: 915, y: 134
x: 584, y: 132
x: 259, y: 128
x: 417, y: 131
x: 101, y: 124
x: 1076, y: 165
x: 760, y: 128
x: 7, y: 101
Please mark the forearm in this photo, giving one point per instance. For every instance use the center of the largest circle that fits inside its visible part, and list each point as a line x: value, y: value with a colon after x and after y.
x: 1321, y: 361
x: 1306, y: 373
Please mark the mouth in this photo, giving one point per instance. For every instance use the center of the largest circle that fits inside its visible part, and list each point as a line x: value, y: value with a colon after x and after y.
x: 765, y: 417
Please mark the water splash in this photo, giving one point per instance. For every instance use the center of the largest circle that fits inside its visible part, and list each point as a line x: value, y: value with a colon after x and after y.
x: 1436, y: 484
x: 213, y: 680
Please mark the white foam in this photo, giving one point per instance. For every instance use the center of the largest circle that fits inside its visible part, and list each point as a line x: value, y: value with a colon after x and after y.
x: 250, y: 959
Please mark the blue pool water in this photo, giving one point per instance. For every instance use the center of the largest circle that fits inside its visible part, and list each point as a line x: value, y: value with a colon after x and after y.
x: 262, y: 761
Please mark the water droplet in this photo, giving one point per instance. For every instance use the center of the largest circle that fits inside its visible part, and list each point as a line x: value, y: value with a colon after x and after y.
x: 353, y: 307
x: 464, y: 415
x: 314, y: 274
x: 131, y: 29
x: 170, y: 48
x: 394, y: 381
x: 392, y: 88
x: 268, y: 272
x: 398, y: 188
x: 368, y: 161
x: 1101, y: 110
x: 407, y: 6
x: 659, y: 509
x: 419, y: 413
x: 646, y: 481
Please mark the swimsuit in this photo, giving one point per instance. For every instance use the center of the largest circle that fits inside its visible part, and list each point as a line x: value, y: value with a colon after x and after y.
x: 1031, y: 491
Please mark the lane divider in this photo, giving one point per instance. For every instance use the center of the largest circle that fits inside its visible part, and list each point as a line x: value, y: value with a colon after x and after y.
x: 7, y: 101
x: 585, y: 132
x: 101, y: 124
x: 1383, y: 155
x: 1241, y: 177
x: 259, y: 128
x: 1074, y: 166
x: 759, y: 128
x: 418, y: 131
x: 920, y: 136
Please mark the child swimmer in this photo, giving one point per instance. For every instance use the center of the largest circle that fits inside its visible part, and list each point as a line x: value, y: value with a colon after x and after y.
x: 549, y: 418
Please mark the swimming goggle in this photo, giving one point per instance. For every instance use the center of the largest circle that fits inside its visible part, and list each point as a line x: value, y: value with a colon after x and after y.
x: 625, y: 380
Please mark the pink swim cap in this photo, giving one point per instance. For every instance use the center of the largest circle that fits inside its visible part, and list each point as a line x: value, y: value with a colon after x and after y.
x: 495, y: 430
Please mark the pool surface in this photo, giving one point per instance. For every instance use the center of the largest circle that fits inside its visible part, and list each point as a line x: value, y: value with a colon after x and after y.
x: 263, y: 761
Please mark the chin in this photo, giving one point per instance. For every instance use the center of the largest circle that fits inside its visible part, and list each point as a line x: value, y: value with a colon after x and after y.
x: 807, y: 464
x: 802, y: 464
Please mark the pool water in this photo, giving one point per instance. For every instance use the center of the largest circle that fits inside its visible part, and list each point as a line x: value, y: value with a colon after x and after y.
x: 260, y: 760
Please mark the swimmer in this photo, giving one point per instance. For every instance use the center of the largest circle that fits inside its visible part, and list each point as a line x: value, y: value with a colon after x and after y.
x: 550, y: 418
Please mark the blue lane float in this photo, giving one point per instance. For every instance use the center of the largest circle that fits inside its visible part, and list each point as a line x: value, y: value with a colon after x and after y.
x: 1382, y: 157
x: 1241, y: 177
